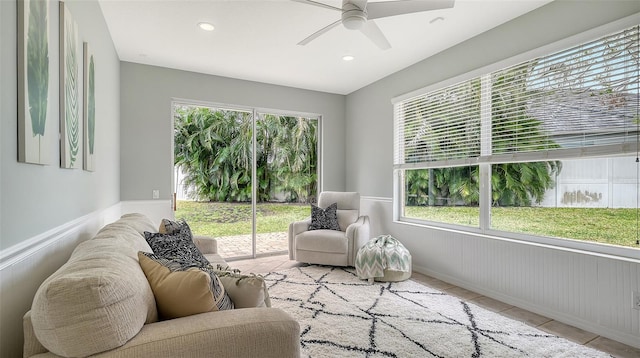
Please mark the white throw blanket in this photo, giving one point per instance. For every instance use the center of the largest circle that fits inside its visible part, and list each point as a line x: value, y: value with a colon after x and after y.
x: 380, y: 253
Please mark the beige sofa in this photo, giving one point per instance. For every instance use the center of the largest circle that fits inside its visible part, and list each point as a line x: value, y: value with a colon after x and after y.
x: 100, y: 304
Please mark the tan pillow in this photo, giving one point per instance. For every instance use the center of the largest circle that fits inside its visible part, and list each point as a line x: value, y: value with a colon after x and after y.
x: 245, y: 291
x: 182, y: 291
x: 170, y: 226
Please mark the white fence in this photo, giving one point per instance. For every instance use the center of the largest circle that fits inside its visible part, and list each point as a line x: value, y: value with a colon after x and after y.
x: 595, y: 183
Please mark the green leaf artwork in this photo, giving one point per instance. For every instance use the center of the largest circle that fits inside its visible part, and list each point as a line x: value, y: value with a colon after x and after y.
x: 72, y: 122
x: 37, y: 66
x: 91, y: 110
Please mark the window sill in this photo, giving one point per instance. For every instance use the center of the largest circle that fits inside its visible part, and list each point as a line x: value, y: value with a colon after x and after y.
x: 613, y: 252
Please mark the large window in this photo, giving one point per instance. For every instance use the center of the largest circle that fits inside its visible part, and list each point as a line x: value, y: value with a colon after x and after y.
x: 545, y: 148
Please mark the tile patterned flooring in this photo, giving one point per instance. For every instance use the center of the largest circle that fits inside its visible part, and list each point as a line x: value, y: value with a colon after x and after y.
x: 267, y: 264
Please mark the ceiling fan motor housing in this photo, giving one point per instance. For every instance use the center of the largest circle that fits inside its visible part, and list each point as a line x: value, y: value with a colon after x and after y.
x: 353, y: 17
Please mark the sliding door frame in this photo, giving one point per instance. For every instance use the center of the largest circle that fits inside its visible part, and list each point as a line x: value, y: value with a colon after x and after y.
x: 255, y: 113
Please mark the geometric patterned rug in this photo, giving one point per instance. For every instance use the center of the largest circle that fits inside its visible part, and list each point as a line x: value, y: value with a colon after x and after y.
x: 343, y: 316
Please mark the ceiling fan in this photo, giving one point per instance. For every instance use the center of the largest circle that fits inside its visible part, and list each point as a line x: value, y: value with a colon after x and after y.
x: 356, y: 15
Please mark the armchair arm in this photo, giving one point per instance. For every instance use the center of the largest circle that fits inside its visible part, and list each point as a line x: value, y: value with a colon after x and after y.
x: 358, y: 235
x: 206, y: 245
x: 296, y: 228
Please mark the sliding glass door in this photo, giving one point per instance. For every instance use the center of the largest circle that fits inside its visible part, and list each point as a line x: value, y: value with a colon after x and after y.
x: 286, y: 177
x: 242, y: 175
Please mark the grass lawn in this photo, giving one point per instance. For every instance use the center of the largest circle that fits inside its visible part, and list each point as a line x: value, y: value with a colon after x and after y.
x: 609, y: 226
x: 228, y: 219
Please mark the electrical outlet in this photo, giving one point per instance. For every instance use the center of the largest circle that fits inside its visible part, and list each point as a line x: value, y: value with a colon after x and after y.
x: 156, y: 194
x: 636, y: 300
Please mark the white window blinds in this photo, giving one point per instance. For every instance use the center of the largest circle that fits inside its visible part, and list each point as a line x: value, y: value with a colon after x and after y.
x: 579, y: 102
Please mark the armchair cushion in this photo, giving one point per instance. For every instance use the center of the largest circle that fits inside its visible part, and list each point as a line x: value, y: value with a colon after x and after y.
x: 322, y: 241
x: 324, y: 219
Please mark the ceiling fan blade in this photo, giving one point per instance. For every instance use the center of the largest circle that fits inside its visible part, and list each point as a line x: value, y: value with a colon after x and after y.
x: 373, y: 32
x: 376, y: 10
x: 319, y: 32
x: 315, y: 3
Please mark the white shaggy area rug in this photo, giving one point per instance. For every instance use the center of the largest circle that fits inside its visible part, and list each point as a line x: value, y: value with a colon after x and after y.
x: 343, y: 316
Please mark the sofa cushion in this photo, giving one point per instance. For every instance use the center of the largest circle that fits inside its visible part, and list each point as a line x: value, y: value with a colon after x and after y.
x: 183, y: 291
x: 177, y: 246
x: 95, y: 302
x: 246, y: 291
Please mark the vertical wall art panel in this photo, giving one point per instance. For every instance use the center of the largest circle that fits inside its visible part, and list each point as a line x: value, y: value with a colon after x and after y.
x: 70, y: 126
x: 36, y: 117
x: 89, y: 112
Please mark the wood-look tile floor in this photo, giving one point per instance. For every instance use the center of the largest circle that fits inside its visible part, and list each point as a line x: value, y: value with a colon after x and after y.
x: 268, y: 264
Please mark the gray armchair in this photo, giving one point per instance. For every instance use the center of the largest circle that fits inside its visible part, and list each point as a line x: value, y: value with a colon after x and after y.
x: 331, y: 247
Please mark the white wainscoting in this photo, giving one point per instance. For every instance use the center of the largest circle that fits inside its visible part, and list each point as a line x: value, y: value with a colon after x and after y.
x: 591, y: 292
x: 156, y: 210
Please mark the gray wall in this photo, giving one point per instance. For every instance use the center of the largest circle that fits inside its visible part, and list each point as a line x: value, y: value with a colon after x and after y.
x: 370, y: 112
x: 38, y: 202
x: 146, y: 132
x: 575, y: 287
x: 36, y: 198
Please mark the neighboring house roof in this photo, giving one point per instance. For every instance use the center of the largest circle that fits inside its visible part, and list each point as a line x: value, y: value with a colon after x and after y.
x: 570, y: 113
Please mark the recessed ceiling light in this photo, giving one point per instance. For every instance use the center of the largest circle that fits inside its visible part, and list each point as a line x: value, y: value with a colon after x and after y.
x: 348, y: 58
x: 206, y: 26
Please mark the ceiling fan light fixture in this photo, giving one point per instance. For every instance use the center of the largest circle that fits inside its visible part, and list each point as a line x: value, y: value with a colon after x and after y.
x: 354, y: 20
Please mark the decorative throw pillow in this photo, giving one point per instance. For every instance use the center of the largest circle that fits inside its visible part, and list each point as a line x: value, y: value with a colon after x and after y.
x: 170, y: 227
x: 245, y: 291
x: 181, y: 290
x: 178, y: 246
x: 324, y: 219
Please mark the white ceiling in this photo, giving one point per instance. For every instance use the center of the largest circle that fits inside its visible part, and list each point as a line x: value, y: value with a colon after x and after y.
x: 257, y: 40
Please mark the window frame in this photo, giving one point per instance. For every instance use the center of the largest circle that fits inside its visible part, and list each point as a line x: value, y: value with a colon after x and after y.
x: 484, y: 229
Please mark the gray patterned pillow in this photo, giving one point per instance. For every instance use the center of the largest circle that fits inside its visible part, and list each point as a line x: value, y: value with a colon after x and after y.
x: 324, y: 219
x: 178, y: 246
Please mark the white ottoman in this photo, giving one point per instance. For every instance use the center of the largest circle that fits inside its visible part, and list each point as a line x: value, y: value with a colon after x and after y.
x: 383, y: 259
